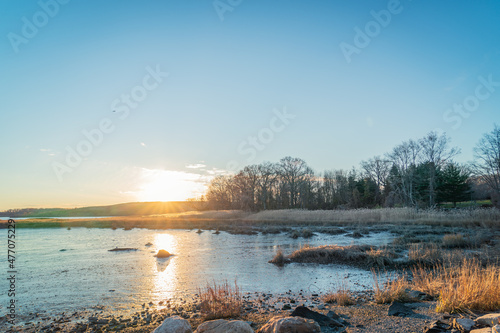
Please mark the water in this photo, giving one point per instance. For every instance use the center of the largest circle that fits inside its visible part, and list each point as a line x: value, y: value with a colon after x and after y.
x: 68, y: 270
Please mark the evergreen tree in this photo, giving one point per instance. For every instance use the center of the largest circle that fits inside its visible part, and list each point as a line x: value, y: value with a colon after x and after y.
x: 453, y: 184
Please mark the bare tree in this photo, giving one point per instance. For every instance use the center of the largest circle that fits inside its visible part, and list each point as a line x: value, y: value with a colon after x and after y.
x: 377, y: 169
x: 404, y: 158
x: 293, y: 172
x: 486, y: 163
x: 266, y: 180
x: 435, y: 154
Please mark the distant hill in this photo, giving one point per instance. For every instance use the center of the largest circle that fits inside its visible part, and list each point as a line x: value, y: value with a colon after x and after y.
x: 124, y: 209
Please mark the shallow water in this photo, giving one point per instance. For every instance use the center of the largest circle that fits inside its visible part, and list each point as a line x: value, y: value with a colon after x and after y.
x: 60, y: 270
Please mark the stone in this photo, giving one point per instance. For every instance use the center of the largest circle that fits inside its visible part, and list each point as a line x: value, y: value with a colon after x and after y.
x: 163, y: 254
x: 332, y: 315
x: 399, y: 309
x: 174, y: 324
x: 321, y: 319
x: 286, y: 307
x: 418, y: 295
x: 463, y: 324
x: 289, y: 325
x: 224, y: 326
x: 437, y: 327
x: 490, y: 319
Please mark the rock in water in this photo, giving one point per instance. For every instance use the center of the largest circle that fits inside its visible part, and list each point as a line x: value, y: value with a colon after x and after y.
x: 399, y: 309
x: 174, y: 324
x: 163, y: 254
x: 321, y: 319
x: 290, y: 324
x: 224, y: 326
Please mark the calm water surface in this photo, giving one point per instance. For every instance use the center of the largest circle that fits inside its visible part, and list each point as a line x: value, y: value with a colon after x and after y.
x: 67, y: 270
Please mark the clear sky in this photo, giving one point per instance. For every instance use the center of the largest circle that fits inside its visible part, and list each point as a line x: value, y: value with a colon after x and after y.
x: 115, y: 101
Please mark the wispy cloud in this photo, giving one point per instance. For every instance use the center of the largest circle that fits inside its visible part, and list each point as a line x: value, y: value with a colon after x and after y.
x: 195, y: 166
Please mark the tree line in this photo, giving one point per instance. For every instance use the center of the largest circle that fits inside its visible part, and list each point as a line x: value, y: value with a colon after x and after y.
x: 416, y: 173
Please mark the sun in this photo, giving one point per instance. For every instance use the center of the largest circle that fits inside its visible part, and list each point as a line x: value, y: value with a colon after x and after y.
x: 168, y: 185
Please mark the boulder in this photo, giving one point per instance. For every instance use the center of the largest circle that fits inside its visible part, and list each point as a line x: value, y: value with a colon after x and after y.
x: 463, y: 324
x: 224, y: 326
x: 490, y: 319
x: 399, y: 309
x: 174, y: 324
x: 290, y: 325
x: 321, y: 319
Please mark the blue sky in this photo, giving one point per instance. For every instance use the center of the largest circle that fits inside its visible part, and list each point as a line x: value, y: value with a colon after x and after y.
x: 231, y: 71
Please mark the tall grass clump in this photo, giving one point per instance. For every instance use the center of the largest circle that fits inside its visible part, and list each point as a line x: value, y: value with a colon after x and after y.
x: 342, y: 296
x: 394, y: 289
x: 279, y: 258
x: 460, y: 288
x: 220, y: 301
x: 452, y: 241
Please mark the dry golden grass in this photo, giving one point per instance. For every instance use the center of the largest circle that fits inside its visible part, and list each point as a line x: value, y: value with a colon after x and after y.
x: 455, y: 241
x: 279, y: 258
x: 484, y: 217
x: 342, y: 296
x: 220, y: 301
x: 394, y: 289
x: 360, y: 255
x: 465, y: 287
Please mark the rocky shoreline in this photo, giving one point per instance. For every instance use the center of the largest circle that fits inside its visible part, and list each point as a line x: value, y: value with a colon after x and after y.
x: 257, y: 310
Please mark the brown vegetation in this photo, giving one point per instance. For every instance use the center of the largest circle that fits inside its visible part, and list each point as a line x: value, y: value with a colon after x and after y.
x: 220, y: 301
x: 342, y: 296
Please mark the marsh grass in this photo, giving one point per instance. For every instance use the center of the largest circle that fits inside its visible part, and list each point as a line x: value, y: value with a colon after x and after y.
x: 453, y: 241
x: 469, y: 286
x: 356, y: 255
x: 279, y: 258
x: 480, y: 216
x: 394, y: 289
x: 220, y: 301
x: 342, y: 296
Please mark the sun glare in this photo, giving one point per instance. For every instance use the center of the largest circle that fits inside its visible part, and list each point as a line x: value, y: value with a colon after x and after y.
x: 166, y: 185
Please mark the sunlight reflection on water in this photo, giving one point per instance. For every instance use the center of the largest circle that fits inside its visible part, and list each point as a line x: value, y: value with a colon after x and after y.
x: 65, y: 270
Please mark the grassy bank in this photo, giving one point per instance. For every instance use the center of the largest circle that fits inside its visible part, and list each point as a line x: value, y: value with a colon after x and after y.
x: 484, y: 217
